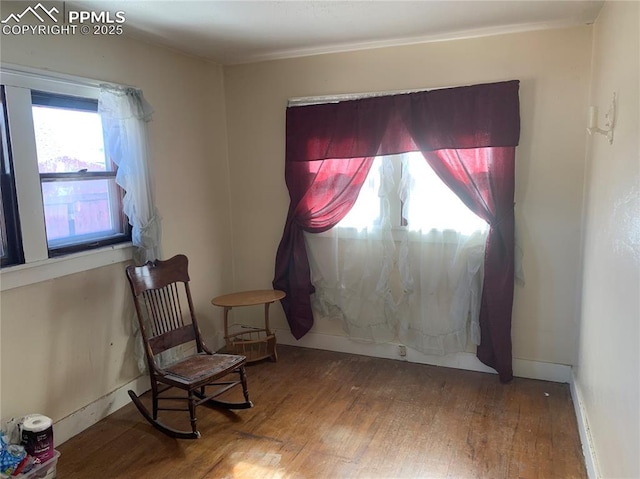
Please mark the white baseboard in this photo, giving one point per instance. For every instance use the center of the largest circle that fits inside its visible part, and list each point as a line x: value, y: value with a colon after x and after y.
x: 588, y: 451
x: 76, y: 422
x: 523, y: 368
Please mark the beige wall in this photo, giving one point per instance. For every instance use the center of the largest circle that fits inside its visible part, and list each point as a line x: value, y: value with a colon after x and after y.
x: 608, y: 369
x: 553, y: 67
x: 65, y: 343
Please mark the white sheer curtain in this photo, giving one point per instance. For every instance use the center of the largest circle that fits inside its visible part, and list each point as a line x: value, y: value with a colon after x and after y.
x: 124, y: 113
x: 439, y: 261
x: 441, y: 280
x: 351, y: 264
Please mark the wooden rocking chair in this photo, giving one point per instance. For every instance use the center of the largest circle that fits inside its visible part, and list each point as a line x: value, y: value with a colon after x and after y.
x: 157, y: 297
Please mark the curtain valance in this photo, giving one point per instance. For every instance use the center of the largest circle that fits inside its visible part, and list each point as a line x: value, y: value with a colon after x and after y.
x: 475, y: 116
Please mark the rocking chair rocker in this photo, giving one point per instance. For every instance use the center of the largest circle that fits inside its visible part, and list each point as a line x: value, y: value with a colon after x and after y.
x: 157, y: 298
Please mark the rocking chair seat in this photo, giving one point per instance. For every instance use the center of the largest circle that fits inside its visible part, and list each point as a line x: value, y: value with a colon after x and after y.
x: 197, y: 370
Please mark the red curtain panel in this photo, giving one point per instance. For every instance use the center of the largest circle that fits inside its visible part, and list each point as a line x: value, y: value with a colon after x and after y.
x: 467, y: 134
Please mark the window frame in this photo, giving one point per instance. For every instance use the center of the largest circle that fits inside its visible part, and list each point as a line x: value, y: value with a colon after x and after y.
x: 37, y: 264
x: 11, y: 233
x: 90, y: 241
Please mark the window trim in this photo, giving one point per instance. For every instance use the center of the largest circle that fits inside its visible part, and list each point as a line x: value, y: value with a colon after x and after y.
x: 51, y: 268
x: 38, y: 266
x: 10, y: 219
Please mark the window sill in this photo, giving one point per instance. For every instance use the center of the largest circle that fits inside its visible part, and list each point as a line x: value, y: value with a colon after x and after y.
x: 31, y: 273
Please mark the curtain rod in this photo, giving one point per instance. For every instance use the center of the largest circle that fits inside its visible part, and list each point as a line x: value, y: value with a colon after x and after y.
x: 317, y: 100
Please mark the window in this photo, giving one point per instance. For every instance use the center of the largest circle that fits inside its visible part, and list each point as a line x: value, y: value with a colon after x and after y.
x: 59, y: 193
x: 408, y: 183
x: 367, y: 210
x: 82, y: 203
x: 404, y: 264
x: 469, y: 134
x: 10, y: 241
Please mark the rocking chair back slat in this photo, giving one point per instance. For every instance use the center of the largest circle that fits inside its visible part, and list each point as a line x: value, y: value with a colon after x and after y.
x: 169, y: 339
x: 164, y: 309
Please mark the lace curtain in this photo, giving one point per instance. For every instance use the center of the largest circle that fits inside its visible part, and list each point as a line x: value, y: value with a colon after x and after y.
x: 351, y: 264
x: 421, y: 283
x: 124, y: 113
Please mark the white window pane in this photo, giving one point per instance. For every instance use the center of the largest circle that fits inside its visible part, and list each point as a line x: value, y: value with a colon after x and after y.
x: 427, y: 203
x: 366, y: 211
x: 431, y: 204
x: 76, y: 211
x: 68, y: 140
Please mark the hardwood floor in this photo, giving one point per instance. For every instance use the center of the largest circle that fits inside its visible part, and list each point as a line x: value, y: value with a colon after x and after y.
x: 321, y: 414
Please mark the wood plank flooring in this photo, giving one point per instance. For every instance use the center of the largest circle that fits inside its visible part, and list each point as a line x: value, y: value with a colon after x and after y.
x: 321, y: 414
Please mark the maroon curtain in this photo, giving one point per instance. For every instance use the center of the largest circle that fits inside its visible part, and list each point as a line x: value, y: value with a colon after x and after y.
x: 322, y: 192
x: 484, y: 179
x: 329, y: 148
x: 329, y: 151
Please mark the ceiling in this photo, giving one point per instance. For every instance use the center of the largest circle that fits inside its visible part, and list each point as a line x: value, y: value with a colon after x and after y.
x: 230, y: 32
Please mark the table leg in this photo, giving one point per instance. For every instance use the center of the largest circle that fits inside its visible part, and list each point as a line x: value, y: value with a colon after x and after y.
x: 274, y: 353
x: 226, y: 329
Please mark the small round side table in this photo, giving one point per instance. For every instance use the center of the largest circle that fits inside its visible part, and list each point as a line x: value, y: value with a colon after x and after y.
x: 254, y: 343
